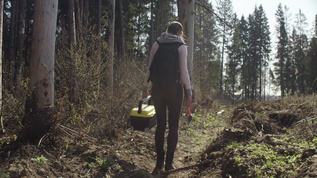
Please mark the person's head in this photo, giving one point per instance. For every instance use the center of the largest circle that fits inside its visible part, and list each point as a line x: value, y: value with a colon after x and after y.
x: 176, y: 28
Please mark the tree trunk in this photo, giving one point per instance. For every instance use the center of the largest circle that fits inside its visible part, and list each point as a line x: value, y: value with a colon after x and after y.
x: 111, y: 23
x: 78, y: 15
x: 85, y: 20
x: 98, y: 10
x: 186, y: 14
x: 99, y: 42
x: 72, y: 46
x: 121, y: 46
x: 12, y: 54
x: 222, y: 62
x: 86, y: 14
x: 152, y: 23
x: 1, y: 27
x: 71, y: 23
x: 40, y: 103
x: 20, y: 42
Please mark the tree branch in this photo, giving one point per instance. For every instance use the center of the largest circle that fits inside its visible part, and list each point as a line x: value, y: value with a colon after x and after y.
x: 213, y: 13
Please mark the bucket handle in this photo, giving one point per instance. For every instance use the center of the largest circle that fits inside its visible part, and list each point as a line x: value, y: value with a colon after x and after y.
x: 142, y: 101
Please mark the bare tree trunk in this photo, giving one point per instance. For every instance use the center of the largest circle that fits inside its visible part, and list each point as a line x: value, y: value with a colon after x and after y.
x: 85, y: 20
x: 111, y: 24
x: 72, y: 44
x: 121, y: 49
x: 99, y: 5
x: 12, y: 54
x: 186, y: 14
x: 190, y: 35
x: 78, y: 21
x: 1, y: 27
x: 222, y: 62
x: 20, y: 45
x: 86, y: 13
x: 40, y: 103
x: 71, y: 23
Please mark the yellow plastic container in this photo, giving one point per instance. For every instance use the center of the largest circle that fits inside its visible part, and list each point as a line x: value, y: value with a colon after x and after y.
x: 147, y: 111
x: 143, y: 117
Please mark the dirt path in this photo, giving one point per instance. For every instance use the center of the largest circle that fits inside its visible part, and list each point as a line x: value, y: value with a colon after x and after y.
x: 138, y: 148
x: 127, y: 154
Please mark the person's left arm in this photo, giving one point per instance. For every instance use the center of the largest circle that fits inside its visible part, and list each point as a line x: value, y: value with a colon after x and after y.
x: 146, y: 84
x: 184, y: 76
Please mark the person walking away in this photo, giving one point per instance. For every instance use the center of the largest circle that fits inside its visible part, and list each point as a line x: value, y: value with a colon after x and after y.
x: 167, y: 72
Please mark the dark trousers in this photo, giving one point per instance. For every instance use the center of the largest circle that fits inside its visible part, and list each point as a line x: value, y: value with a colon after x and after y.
x: 167, y: 101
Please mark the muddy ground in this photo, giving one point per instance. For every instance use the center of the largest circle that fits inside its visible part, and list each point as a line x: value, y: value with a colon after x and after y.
x: 201, y: 150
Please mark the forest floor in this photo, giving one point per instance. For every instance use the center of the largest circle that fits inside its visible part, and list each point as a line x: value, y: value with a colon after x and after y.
x: 256, y: 139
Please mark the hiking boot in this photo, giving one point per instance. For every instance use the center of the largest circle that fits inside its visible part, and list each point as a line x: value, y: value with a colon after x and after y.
x: 169, y: 161
x: 159, y: 162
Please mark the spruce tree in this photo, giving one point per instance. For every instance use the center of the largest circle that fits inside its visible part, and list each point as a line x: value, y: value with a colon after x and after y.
x: 233, y: 65
x: 225, y: 12
x: 281, y: 66
x: 244, y: 38
x: 300, y: 47
x: 206, y: 41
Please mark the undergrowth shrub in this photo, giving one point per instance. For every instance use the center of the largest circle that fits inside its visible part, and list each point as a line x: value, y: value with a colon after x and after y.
x: 82, y: 98
x: 13, y: 108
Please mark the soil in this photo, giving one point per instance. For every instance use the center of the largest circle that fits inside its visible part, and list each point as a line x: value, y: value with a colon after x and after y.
x: 124, y: 153
x: 130, y: 153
